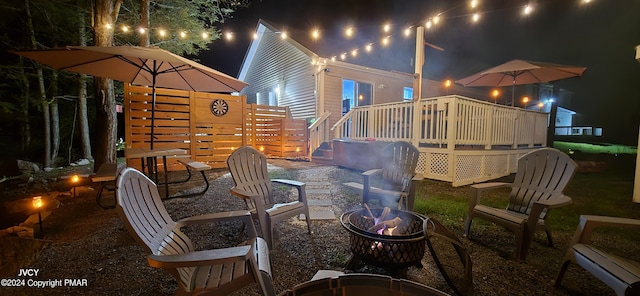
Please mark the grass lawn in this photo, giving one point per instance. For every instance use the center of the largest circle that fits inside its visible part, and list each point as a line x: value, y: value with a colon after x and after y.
x: 607, y: 191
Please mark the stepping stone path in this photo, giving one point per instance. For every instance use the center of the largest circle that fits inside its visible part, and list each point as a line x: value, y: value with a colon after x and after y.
x: 318, y: 193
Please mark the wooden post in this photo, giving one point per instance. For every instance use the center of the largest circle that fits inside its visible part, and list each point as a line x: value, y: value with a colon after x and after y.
x: 419, y: 63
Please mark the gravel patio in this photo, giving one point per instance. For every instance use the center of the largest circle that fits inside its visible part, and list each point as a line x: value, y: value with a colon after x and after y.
x: 83, y: 241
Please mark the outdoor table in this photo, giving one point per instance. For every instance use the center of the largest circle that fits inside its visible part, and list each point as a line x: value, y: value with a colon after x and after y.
x: 151, y: 164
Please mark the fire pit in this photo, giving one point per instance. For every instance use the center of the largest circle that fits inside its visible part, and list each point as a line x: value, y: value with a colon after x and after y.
x: 394, y: 250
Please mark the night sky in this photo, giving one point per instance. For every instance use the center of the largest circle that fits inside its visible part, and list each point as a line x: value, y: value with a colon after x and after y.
x: 601, y: 36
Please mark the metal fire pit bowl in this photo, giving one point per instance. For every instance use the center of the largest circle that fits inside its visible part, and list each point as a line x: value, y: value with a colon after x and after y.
x: 392, y: 252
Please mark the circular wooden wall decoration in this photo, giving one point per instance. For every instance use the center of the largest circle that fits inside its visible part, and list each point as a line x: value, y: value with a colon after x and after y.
x: 219, y: 107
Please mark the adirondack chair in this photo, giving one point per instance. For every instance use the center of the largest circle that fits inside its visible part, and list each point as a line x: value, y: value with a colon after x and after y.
x: 450, y: 256
x: 540, y: 178
x: 217, y: 271
x: 248, y: 168
x: 395, y: 182
x: 622, y: 275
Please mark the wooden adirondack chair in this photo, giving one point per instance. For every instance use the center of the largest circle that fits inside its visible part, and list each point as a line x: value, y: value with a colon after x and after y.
x: 218, y: 271
x: 622, y: 275
x: 395, y: 182
x: 539, y: 181
x: 248, y: 168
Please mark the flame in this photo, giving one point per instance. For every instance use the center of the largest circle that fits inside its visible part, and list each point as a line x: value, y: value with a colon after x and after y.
x: 75, y: 179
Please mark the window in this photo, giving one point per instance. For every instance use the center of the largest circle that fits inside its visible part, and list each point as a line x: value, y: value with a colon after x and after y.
x: 408, y: 94
x: 355, y: 93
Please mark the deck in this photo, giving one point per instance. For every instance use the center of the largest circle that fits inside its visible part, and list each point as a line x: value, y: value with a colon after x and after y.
x: 461, y: 140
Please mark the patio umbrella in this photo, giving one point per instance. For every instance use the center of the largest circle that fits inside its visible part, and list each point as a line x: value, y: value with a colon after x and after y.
x: 521, y: 72
x: 149, y: 66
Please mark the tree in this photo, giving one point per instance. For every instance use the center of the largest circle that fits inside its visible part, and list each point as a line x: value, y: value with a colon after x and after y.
x: 59, y: 22
x: 191, y: 16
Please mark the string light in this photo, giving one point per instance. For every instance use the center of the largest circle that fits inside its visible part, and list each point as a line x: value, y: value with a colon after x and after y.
x: 385, y: 41
x: 476, y: 17
x: 369, y: 47
x: 407, y: 32
x: 315, y: 34
x: 350, y: 31
x: 436, y: 19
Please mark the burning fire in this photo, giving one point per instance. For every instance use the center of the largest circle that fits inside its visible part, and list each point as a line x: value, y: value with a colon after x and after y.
x: 381, y: 226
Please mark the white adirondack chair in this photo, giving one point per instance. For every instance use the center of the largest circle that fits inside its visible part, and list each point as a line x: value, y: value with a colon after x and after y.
x: 539, y: 181
x: 218, y: 271
x: 248, y: 168
x: 621, y: 274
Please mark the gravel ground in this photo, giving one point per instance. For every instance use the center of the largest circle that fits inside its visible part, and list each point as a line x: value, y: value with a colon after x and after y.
x: 87, y: 242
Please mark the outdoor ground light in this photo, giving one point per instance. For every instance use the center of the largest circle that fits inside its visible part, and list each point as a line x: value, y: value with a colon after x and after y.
x: 37, y: 204
x: 75, y: 179
x: 495, y: 93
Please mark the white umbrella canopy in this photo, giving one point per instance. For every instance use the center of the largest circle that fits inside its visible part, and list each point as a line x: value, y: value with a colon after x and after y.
x: 521, y: 72
x: 150, y: 66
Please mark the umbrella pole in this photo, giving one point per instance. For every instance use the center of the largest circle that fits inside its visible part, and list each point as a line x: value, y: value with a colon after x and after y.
x: 513, y: 92
x: 153, y: 102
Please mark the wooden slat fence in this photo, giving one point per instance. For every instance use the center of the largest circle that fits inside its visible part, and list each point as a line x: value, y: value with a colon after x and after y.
x: 183, y: 119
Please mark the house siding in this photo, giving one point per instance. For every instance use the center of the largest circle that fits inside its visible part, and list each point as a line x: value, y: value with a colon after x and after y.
x: 274, y: 62
x: 387, y: 87
x: 277, y: 63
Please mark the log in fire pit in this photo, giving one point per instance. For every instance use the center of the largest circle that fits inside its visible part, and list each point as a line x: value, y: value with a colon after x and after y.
x: 390, y: 239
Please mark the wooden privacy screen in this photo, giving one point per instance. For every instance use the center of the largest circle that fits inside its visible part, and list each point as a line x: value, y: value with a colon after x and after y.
x: 197, y: 122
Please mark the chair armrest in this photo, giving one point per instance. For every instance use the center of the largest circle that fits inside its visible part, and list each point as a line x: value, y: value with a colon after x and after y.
x: 590, y: 222
x: 301, y: 186
x: 366, y: 180
x: 371, y: 172
x: 242, y: 193
x: 539, y: 206
x: 201, y: 258
x: 288, y: 182
x: 478, y: 189
x: 555, y: 202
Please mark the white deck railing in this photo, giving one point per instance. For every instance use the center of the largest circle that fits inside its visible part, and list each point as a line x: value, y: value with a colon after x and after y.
x: 319, y: 132
x: 462, y: 140
x: 450, y: 121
